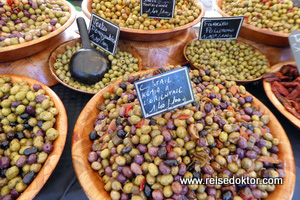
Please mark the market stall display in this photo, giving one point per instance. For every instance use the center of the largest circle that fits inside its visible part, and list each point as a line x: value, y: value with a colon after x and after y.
x: 27, y: 28
x: 141, y: 28
x: 33, y: 135
x: 282, y: 89
x: 236, y: 60
x: 267, y: 22
x: 107, y: 119
x: 127, y: 60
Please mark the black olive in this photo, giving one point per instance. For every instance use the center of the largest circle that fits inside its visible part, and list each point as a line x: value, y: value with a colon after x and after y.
x: 126, y: 150
x: 123, y: 86
x: 30, y: 150
x: 152, y: 122
x: 27, y: 126
x: 195, y: 80
x: 121, y: 133
x: 94, y: 135
x: 40, y: 123
x: 171, y: 162
x: 10, y: 135
x: 28, y: 177
x: 24, y: 116
x: 207, y: 72
x: 251, y: 127
x: 148, y: 191
x: 5, y: 145
x: 13, y: 124
x: 2, y: 173
x: 227, y: 195
x: 162, y: 152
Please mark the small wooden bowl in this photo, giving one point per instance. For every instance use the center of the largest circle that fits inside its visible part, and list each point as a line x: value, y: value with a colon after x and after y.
x: 273, y: 98
x: 93, y: 185
x: 257, y: 34
x: 147, y: 35
x: 15, y: 52
x: 61, y: 126
x: 241, y: 82
x: 61, y: 49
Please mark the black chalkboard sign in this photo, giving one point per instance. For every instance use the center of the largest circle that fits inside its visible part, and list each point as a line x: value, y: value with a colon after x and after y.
x: 294, y: 40
x: 104, y: 33
x: 164, y: 92
x: 220, y: 27
x: 160, y: 9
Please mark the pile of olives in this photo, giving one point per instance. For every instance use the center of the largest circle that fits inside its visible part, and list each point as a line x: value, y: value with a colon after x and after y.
x: 126, y: 13
x: 27, y: 133
x: 30, y: 19
x: 221, y: 134
x: 235, y: 60
x: 275, y: 15
x: 122, y: 63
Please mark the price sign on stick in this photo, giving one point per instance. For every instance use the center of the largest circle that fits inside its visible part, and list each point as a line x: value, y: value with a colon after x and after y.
x: 160, y: 9
x: 294, y: 39
x: 104, y: 33
x: 220, y: 27
x: 164, y: 92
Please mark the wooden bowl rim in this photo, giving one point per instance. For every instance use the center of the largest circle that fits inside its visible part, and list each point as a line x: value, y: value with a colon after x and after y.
x: 46, y: 37
x: 85, y: 4
x: 273, y: 98
x: 140, y: 64
x: 254, y: 28
x: 237, y: 81
x: 83, y: 164
x: 61, y: 125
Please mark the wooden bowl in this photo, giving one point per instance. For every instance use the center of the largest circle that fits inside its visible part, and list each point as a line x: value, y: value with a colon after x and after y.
x: 257, y: 34
x: 61, y: 49
x: 147, y: 35
x: 15, y: 52
x: 273, y: 98
x: 61, y: 126
x: 93, y: 185
x: 241, y: 82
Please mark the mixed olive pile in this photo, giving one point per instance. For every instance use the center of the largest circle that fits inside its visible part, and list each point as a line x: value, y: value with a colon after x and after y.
x: 122, y: 63
x: 126, y: 13
x: 221, y: 134
x: 235, y: 60
x: 26, y: 20
x: 275, y: 15
x: 27, y: 118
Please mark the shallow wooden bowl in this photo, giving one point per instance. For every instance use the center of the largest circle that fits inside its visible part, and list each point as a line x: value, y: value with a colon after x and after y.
x: 61, y: 49
x: 93, y: 185
x: 257, y: 34
x: 61, y: 125
x: 241, y: 82
x: 147, y: 35
x: 15, y: 52
x: 273, y: 98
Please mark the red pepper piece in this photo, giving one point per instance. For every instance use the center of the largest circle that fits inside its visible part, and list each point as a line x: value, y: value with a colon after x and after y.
x: 184, y: 116
x: 129, y: 108
x: 169, y: 148
x: 140, y: 124
x: 143, y: 183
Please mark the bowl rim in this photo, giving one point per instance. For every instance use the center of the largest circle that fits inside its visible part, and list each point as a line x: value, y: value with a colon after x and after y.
x: 84, y: 172
x: 46, y: 37
x: 85, y: 9
x: 237, y: 81
x: 53, y: 158
x: 245, y: 25
x: 140, y: 64
x: 271, y: 96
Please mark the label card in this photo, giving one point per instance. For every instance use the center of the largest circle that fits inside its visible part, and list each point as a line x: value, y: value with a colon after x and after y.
x: 164, y: 92
x: 294, y: 39
x: 160, y: 9
x: 220, y: 27
x: 104, y: 33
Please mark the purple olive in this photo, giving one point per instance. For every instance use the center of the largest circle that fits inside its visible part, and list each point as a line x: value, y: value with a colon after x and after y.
x: 40, y: 98
x: 242, y: 143
x: 16, y: 103
x: 157, y: 195
x: 211, y: 191
x: 14, y: 193
x: 185, y: 189
x: 136, y: 168
x: 164, y: 169
x: 201, y: 142
x: 21, y: 161
x: 101, y: 116
x: 4, y: 162
x: 153, y: 151
x: 207, y: 108
x: 251, y: 154
x: 127, y: 172
x: 139, y: 159
x: 121, y: 178
x: 182, y: 169
x: 40, y: 133
x: 108, y: 171
x: 26, y: 13
x: 176, y: 187
x: 53, y: 22
x: 92, y: 157
x: 208, y: 169
x: 32, y: 159
x: 167, y: 135
x: 248, y: 99
x: 170, y: 125
x: 240, y: 152
x: 172, y: 155
x: 142, y: 148
x: 30, y: 110
x: 124, y: 196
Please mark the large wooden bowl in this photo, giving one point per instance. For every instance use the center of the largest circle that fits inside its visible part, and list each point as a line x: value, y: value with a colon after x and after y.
x: 15, y: 52
x: 93, y: 185
x: 147, y: 35
x: 61, y: 49
x: 273, y: 98
x: 61, y: 126
x: 257, y: 34
x: 241, y: 82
